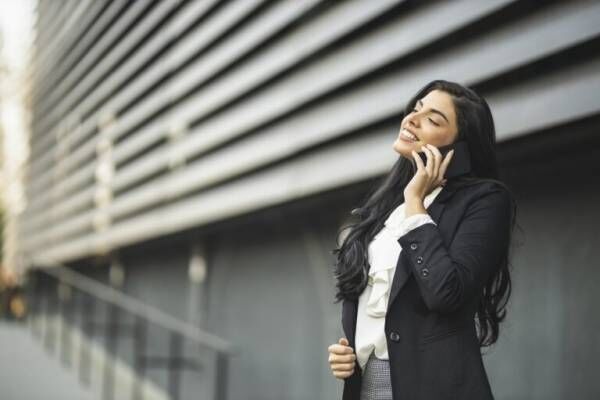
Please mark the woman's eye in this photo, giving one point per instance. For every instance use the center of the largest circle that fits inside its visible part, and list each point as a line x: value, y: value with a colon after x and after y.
x: 433, y: 122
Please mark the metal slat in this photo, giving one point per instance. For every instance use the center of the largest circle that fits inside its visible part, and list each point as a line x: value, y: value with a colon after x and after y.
x: 74, y: 16
x: 466, y: 65
x: 321, y: 77
x: 90, y: 148
x: 79, y: 83
x: 53, y: 109
x: 358, y: 10
x: 211, y: 64
x: 123, y: 71
x: 44, y: 137
x: 325, y: 75
x: 77, y: 54
x: 211, y: 29
x: 543, y: 101
x: 252, y: 74
x: 492, y: 55
x: 53, y: 20
x: 46, y: 63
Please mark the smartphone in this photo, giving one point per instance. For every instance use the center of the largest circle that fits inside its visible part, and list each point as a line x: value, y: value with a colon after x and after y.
x: 460, y: 163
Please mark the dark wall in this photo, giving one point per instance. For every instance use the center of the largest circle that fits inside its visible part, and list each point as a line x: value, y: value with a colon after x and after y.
x: 549, y: 345
x: 268, y: 290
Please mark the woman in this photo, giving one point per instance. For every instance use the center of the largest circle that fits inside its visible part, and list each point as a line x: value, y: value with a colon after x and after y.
x: 423, y: 274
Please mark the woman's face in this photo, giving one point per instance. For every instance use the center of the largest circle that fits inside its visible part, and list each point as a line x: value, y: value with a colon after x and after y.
x: 433, y: 121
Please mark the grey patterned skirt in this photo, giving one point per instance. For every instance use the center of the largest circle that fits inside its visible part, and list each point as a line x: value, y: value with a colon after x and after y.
x: 376, y: 382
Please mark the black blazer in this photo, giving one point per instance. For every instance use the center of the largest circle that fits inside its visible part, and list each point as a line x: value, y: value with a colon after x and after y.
x: 431, y: 338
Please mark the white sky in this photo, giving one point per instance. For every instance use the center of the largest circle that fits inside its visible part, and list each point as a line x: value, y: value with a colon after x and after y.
x: 16, y: 35
x: 16, y: 25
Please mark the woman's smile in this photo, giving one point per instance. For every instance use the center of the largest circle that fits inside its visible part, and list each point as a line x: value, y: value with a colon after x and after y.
x: 432, y: 120
x: 407, y: 136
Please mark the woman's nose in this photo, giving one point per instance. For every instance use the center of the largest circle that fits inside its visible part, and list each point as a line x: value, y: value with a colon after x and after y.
x: 413, y: 120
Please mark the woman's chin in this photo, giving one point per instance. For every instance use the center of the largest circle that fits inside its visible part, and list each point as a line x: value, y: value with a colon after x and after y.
x: 403, y: 148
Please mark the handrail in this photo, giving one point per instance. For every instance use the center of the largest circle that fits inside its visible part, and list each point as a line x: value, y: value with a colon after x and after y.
x: 137, y: 307
x: 48, y: 297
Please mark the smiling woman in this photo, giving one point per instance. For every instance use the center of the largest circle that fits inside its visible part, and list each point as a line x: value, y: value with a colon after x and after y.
x: 432, y: 121
x: 423, y: 274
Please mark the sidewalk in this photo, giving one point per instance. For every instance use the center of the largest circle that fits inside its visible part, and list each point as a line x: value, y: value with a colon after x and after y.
x: 28, y: 373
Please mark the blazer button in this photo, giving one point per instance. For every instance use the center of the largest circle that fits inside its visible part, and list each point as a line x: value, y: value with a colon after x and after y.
x: 419, y: 260
x: 394, y: 336
x: 424, y: 272
x: 413, y: 246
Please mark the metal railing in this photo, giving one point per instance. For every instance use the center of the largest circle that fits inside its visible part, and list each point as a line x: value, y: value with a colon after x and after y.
x: 61, y: 292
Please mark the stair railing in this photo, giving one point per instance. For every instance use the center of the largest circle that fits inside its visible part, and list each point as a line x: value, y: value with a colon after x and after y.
x: 59, y: 291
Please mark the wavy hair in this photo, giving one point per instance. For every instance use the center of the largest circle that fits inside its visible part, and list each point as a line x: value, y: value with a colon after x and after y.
x: 476, y: 127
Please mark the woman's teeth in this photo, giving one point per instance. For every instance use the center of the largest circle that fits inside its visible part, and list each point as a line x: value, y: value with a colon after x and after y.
x: 408, y: 136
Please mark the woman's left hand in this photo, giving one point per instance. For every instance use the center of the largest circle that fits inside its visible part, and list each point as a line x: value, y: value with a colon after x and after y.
x: 429, y: 176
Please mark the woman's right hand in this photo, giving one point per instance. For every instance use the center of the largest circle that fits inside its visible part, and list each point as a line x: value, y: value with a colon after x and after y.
x: 341, y: 359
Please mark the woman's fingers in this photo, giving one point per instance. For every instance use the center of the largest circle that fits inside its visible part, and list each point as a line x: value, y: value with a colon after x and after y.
x: 339, y: 349
x: 430, y: 160
x: 339, y: 358
x: 342, y: 366
x: 418, y: 161
x: 445, y: 163
x: 438, y: 159
x: 343, y: 374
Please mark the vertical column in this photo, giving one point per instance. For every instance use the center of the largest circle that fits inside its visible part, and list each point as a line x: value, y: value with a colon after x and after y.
x: 116, y: 276
x: 197, y: 271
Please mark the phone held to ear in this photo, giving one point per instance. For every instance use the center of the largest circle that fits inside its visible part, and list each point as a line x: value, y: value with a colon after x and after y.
x: 460, y: 163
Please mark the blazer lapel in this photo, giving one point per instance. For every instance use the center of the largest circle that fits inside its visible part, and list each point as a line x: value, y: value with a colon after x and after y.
x: 402, y: 272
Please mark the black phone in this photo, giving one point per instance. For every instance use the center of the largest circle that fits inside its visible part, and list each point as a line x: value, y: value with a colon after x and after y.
x: 460, y: 163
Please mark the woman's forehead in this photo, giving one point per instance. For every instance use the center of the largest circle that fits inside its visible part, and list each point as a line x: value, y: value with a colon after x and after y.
x: 441, y: 101
x: 437, y: 98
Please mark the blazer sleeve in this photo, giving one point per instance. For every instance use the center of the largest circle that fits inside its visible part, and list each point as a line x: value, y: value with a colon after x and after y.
x: 449, y: 277
x: 413, y: 222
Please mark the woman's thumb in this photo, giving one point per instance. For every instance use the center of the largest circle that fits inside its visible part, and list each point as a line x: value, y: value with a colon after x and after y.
x: 343, y: 342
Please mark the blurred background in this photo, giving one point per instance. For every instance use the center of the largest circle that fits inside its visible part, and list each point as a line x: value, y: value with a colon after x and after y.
x: 175, y: 175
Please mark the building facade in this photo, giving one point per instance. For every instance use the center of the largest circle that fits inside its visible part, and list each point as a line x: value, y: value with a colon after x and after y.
x: 201, y: 156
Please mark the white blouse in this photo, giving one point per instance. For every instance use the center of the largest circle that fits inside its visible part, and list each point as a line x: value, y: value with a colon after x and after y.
x: 384, y: 251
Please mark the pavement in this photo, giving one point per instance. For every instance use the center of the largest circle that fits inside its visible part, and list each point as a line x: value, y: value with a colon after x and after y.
x: 28, y: 372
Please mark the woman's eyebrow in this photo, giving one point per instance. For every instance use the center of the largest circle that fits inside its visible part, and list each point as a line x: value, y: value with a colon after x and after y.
x: 435, y: 111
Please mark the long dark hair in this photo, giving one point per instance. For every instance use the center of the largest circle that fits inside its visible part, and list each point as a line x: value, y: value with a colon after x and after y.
x: 476, y: 127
